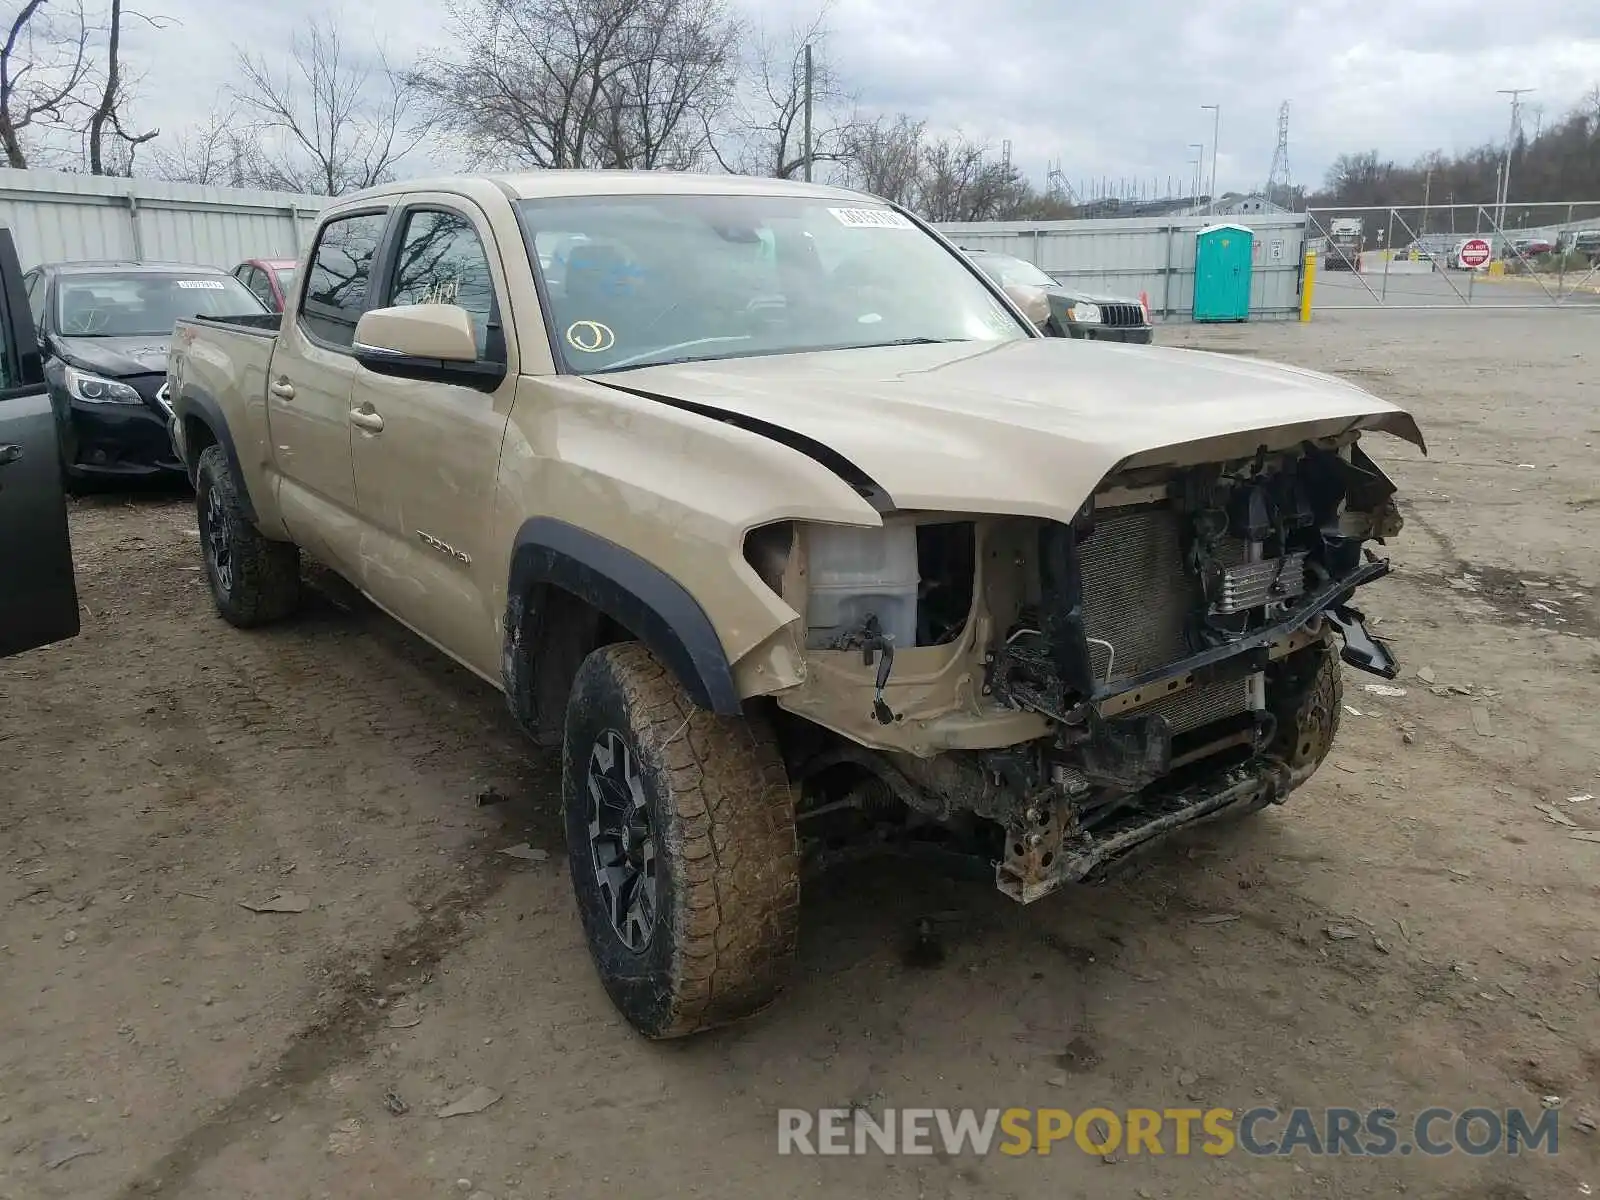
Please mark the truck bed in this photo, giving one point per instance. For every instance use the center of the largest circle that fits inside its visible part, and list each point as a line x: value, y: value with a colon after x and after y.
x: 220, y: 366
x: 256, y: 323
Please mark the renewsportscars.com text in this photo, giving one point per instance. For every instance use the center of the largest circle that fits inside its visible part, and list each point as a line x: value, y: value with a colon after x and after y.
x: 1373, y: 1132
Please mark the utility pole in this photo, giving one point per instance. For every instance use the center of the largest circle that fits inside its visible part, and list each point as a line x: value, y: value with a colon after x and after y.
x: 1216, y: 132
x: 1511, y: 139
x: 808, y: 113
x: 1199, y: 149
x: 1427, y: 186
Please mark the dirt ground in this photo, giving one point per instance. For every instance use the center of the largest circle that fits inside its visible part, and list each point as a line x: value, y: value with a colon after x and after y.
x: 163, y: 767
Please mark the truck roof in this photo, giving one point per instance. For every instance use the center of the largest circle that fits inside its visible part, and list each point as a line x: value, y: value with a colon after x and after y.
x: 534, y: 185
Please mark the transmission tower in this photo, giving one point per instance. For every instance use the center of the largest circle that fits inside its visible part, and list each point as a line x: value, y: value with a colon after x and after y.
x: 1278, y: 177
x: 1057, y: 187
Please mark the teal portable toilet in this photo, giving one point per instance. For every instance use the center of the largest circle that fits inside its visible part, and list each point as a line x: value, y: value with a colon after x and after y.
x: 1222, y: 261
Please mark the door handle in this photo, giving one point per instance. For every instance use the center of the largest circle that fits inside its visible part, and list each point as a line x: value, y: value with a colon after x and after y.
x: 9, y: 454
x: 282, y: 389
x: 365, y: 418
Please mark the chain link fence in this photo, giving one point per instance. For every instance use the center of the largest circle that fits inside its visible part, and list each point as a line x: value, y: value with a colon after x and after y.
x: 1456, y: 255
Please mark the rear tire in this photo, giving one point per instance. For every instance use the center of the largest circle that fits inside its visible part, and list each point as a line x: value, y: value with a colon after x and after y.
x: 254, y: 579
x: 682, y: 847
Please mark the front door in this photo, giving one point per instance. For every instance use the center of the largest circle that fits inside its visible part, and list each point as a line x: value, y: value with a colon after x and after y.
x: 426, y: 454
x: 308, y: 389
x: 39, y: 600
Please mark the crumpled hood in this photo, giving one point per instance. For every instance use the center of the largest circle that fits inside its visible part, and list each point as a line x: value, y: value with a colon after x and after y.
x: 115, y: 356
x: 1030, y: 427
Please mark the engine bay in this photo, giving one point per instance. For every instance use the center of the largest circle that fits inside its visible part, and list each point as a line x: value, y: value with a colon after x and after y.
x: 1075, y: 683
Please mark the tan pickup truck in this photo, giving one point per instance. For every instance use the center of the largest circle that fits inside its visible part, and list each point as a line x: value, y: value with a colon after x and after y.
x: 779, y: 516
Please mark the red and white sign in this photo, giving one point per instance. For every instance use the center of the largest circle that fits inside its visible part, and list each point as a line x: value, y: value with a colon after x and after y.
x: 1474, y: 253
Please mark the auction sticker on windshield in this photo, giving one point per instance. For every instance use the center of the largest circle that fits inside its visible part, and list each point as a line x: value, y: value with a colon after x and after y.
x: 210, y: 285
x: 871, y: 218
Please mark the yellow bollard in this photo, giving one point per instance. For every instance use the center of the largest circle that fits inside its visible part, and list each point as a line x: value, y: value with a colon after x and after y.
x: 1306, y: 283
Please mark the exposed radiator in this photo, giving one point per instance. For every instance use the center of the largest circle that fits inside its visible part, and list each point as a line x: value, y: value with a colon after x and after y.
x: 1138, y: 597
x: 1197, y: 706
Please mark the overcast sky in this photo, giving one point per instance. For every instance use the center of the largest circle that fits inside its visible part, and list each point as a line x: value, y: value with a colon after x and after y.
x: 1107, y: 90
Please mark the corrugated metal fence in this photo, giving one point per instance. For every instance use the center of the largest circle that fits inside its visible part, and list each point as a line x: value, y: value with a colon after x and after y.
x: 1125, y: 256
x: 56, y: 217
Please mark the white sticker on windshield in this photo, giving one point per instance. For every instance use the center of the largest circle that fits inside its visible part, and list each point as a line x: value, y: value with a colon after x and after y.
x: 209, y: 285
x: 871, y: 218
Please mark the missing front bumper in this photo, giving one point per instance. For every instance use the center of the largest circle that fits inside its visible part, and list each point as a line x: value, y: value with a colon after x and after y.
x: 1052, y: 854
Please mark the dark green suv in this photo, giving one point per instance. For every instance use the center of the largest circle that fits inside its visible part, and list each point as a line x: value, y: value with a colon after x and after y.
x: 39, y: 602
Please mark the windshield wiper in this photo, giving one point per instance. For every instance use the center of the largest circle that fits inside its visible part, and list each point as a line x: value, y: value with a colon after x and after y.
x: 650, y: 358
x: 905, y: 341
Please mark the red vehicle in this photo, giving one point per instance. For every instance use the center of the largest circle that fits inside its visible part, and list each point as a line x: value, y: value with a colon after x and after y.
x: 269, y: 278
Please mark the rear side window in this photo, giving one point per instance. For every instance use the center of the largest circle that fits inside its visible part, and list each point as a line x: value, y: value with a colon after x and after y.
x: 341, y: 268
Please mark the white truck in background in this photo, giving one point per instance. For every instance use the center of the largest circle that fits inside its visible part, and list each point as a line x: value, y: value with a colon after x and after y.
x: 1344, y: 244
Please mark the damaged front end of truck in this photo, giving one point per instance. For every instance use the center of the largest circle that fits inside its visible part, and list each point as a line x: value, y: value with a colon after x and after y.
x: 1055, y: 695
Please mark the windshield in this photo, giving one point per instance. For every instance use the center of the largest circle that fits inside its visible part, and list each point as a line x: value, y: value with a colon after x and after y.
x: 145, y: 303
x: 635, y: 280
x: 1012, y: 272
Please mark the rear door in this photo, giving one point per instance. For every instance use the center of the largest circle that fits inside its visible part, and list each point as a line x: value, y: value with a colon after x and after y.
x: 39, y: 600
x: 308, y: 389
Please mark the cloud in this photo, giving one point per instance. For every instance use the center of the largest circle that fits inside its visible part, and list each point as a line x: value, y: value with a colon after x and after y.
x: 1108, y: 91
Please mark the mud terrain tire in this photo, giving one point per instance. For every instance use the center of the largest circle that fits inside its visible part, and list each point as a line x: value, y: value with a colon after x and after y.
x: 682, y: 847
x: 254, y: 580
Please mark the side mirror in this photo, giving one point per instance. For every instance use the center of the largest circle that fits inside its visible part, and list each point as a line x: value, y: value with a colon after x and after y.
x: 1033, y: 301
x: 442, y: 332
x: 435, y: 343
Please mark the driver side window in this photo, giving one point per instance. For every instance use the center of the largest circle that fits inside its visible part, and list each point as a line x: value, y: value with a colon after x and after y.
x: 442, y: 261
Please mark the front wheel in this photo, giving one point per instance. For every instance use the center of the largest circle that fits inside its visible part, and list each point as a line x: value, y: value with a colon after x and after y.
x: 682, y: 847
x: 1306, y: 694
x: 253, y: 579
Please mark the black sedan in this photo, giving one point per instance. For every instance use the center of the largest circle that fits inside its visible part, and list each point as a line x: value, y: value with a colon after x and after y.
x: 1062, y: 310
x: 105, y: 329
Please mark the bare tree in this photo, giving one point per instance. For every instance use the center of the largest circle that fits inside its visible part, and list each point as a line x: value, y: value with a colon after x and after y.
x: 582, y: 83
x: 212, y: 152
x: 107, y: 112
x: 765, y: 132
x: 961, y: 182
x: 886, y: 159
x: 42, y: 67
x: 680, y: 68
x: 328, y: 123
